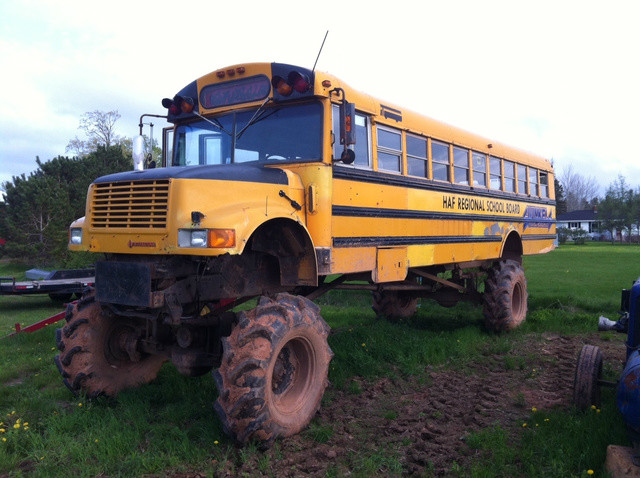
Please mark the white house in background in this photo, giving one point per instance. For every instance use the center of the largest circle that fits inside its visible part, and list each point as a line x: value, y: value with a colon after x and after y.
x: 585, y: 219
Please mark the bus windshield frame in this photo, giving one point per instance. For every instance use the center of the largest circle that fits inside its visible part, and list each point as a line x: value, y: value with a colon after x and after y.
x: 277, y: 133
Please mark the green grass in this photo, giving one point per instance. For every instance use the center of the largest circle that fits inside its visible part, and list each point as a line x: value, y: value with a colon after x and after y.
x: 169, y: 426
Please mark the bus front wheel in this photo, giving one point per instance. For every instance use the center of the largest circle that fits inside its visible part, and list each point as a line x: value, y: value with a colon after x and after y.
x: 273, y: 371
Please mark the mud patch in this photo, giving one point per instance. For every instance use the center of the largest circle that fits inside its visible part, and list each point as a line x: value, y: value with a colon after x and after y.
x: 417, y: 426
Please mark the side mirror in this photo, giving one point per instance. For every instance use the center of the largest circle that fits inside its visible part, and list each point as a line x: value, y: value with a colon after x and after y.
x: 138, y: 153
x: 347, y: 123
x: 347, y: 131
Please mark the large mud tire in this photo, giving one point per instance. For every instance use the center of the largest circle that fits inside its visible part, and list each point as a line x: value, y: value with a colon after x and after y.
x: 274, y: 370
x: 87, y: 361
x: 394, y: 305
x: 586, y: 385
x: 505, y: 296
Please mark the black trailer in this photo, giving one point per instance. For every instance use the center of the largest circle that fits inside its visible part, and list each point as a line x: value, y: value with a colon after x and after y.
x: 59, y: 285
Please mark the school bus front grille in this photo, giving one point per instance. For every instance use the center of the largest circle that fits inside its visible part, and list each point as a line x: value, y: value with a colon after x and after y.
x: 130, y: 204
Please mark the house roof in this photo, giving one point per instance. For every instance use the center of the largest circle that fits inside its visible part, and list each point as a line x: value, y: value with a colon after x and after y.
x: 581, y: 215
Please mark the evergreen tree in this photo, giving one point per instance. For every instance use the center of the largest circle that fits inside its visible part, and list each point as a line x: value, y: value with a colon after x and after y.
x: 39, y: 208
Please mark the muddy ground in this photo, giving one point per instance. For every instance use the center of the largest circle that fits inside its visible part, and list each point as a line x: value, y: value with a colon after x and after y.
x: 426, y: 420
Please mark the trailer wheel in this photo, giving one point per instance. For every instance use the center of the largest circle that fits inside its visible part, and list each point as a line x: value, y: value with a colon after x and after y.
x: 98, y: 353
x: 586, y: 386
x: 274, y: 370
x: 505, y: 296
x: 394, y: 305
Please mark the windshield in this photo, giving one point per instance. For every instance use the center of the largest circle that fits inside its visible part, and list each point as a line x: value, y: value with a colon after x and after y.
x: 276, y: 133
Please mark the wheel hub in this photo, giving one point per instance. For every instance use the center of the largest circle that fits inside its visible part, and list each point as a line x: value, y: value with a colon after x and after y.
x: 122, y: 346
x: 292, y: 375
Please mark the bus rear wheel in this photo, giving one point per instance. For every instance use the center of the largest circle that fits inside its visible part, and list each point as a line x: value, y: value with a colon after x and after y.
x: 394, y: 305
x: 505, y: 296
x: 98, y: 353
x: 274, y: 370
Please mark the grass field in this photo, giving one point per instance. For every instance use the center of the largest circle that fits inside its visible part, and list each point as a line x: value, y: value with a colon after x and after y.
x: 170, y: 427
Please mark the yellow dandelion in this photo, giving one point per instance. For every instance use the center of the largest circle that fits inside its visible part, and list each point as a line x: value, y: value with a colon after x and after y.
x: 39, y: 358
x: 597, y: 410
x: 2, y: 430
x: 589, y: 472
x: 215, y: 442
x: 363, y: 344
x: 79, y: 404
x: 13, y: 412
x: 593, y: 407
x: 4, y: 439
x: 53, y: 348
x: 524, y: 425
x: 534, y: 409
x: 17, y: 425
x: 96, y: 440
x: 546, y: 419
x: 25, y: 428
x: 26, y: 423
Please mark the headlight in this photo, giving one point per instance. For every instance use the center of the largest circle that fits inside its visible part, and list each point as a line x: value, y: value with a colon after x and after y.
x: 192, y: 238
x: 75, y: 235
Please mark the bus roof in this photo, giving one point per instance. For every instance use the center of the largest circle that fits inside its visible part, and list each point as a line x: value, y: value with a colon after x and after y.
x: 382, y: 112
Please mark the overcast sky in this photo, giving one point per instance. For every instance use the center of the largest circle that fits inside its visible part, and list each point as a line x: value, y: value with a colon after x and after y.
x: 558, y: 78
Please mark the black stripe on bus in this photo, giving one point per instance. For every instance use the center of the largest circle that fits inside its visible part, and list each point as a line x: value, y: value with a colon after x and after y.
x: 353, y: 211
x: 537, y: 237
x: 409, y: 240
x: 353, y: 174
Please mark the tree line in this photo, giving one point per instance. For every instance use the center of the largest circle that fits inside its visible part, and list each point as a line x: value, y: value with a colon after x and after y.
x: 617, y: 210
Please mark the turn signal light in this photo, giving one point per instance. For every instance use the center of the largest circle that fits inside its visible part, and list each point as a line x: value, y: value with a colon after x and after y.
x: 222, y: 237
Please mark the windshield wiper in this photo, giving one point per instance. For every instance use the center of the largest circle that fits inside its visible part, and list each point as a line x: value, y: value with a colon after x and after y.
x: 214, y: 122
x: 257, y: 116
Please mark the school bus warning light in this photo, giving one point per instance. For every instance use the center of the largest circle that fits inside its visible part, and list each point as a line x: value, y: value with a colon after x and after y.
x: 295, y: 82
x: 179, y: 104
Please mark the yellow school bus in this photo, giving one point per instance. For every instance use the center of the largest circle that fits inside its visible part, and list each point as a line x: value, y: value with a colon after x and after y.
x: 282, y: 183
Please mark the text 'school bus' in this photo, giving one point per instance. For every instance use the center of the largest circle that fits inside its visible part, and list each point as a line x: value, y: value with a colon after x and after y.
x: 282, y: 183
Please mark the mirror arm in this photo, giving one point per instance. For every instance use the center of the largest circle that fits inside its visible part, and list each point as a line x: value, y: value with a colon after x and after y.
x: 153, y: 116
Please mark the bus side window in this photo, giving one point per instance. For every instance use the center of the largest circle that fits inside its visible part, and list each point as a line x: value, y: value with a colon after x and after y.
x: 495, y: 173
x: 509, y: 176
x: 363, y: 135
x: 389, y: 149
x: 479, y: 162
x: 461, y: 166
x: 522, y: 179
x: 417, y: 156
x: 533, y: 181
x: 440, y: 161
x: 167, y: 146
x: 544, y: 184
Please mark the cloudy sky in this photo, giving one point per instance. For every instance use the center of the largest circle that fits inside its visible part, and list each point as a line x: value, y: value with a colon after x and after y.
x: 558, y: 78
